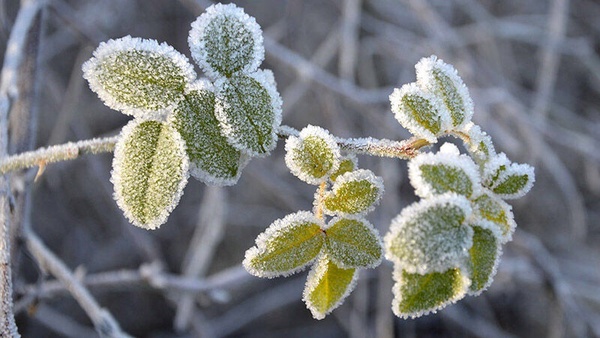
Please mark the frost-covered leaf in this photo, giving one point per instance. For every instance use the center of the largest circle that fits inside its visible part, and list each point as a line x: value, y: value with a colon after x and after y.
x: 484, y: 256
x: 313, y: 155
x: 212, y: 159
x: 423, y: 114
x: 353, y: 243
x: 430, y: 235
x: 249, y: 110
x: 507, y: 179
x: 348, y: 163
x: 150, y: 170
x: 446, y: 171
x: 287, y: 246
x: 327, y: 286
x: 138, y: 77
x: 491, y: 208
x: 354, y: 193
x: 226, y: 41
x: 416, y: 295
x: 479, y: 143
x: 442, y: 80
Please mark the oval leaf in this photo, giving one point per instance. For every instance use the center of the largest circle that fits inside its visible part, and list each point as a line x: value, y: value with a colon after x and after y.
x: 353, y: 243
x: 150, y: 170
x: 212, y: 159
x: 287, y: 246
x: 138, y: 77
x: 354, y: 193
x: 348, y: 163
x: 446, y: 171
x: 430, y: 235
x: 249, y: 110
x: 416, y: 295
x: 514, y: 182
x: 484, y: 257
x: 423, y: 114
x: 442, y: 80
x: 313, y: 155
x: 225, y: 41
x: 327, y: 286
x: 495, y: 210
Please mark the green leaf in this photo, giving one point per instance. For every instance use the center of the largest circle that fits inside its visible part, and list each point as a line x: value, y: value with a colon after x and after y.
x: 225, y: 41
x: 327, y: 286
x: 347, y: 164
x: 443, y: 81
x: 249, y: 110
x: 484, y: 257
x: 138, y: 77
x: 446, y: 171
x: 495, y: 210
x: 287, y: 246
x: 421, y: 113
x: 313, y: 155
x: 354, y: 193
x: 353, y: 243
x: 514, y: 182
x: 478, y: 143
x: 417, y: 295
x: 150, y: 170
x: 212, y: 159
x: 431, y: 235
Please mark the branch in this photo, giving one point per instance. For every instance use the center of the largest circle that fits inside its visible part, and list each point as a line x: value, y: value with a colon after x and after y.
x: 57, y: 153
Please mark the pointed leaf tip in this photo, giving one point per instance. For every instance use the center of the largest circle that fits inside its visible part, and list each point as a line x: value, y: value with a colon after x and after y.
x: 150, y: 170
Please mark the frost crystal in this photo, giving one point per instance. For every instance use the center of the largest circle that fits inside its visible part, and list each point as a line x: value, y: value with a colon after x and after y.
x: 443, y: 81
x: 480, y: 143
x: 225, y: 41
x: 150, y: 170
x: 353, y: 243
x: 138, y: 77
x: 248, y: 108
x: 313, y: 155
x: 327, y: 286
x: 484, y: 256
x: 489, y: 207
x: 354, y: 193
x: 446, y: 171
x: 212, y: 159
x: 422, y: 113
x: 431, y: 235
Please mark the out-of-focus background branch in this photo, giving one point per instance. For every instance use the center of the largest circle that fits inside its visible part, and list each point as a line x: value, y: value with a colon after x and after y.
x: 533, y: 70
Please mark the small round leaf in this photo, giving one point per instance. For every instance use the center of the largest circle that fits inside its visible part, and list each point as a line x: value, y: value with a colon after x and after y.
x: 354, y: 193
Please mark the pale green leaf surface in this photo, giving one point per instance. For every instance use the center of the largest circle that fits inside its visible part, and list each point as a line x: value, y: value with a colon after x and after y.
x: 446, y: 171
x: 430, y: 235
x: 484, y: 257
x: 212, y: 159
x: 138, y: 77
x: 287, y: 246
x: 313, y: 155
x: 327, y: 286
x: 225, y: 41
x: 348, y: 163
x: 491, y: 208
x: 442, y: 80
x: 354, y: 193
x: 416, y: 295
x: 249, y: 110
x: 150, y: 170
x: 353, y: 243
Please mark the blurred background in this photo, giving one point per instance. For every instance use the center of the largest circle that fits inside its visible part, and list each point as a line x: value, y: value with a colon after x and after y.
x: 533, y: 71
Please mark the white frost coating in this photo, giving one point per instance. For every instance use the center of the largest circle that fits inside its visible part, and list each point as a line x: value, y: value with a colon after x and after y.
x: 197, y: 42
x: 116, y: 175
x: 498, y: 234
x: 397, y: 276
x: 293, y: 142
x: 408, y: 121
x: 426, y: 80
x: 448, y: 155
x: 491, y: 167
x: 476, y: 138
x: 425, y: 248
x: 516, y: 169
x: 367, y: 225
x: 112, y: 47
x: 312, y: 281
x: 352, y: 176
x: 506, y: 208
x: 266, y: 78
x: 300, y: 217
